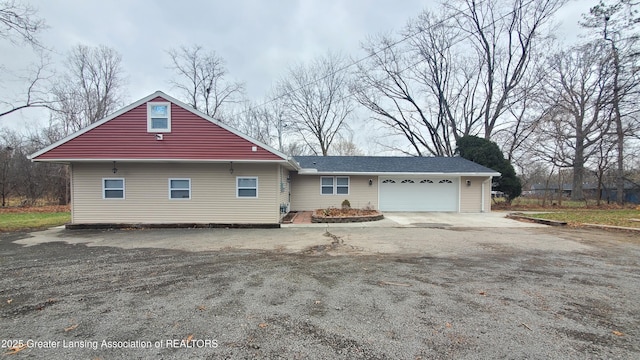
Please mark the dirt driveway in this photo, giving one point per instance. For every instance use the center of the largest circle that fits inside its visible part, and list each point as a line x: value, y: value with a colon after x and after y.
x: 337, y: 293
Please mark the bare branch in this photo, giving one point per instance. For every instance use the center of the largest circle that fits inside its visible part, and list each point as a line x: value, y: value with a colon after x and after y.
x: 36, y: 95
x: 19, y: 22
x: 201, y: 77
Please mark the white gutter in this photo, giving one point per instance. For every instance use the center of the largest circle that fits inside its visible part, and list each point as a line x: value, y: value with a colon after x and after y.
x: 162, y: 160
x: 382, y: 173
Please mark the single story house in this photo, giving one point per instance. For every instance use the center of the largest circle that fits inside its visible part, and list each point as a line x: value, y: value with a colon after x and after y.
x: 159, y: 161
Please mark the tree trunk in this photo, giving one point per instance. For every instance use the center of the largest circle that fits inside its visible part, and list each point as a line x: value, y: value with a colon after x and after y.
x: 578, y: 169
x: 618, y: 121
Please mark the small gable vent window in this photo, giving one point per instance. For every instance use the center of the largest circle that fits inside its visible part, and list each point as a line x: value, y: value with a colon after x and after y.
x: 426, y: 181
x: 407, y: 181
x: 445, y: 181
x: 388, y: 181
x: 158, y: 117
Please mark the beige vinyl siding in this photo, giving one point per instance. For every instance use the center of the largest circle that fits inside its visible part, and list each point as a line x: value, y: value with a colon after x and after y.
x: 213, y: 194
x: 487, y: 194
x: 305, y: 190
x: 284, y: 187
x: 471, y: 196
x: 71, y: 188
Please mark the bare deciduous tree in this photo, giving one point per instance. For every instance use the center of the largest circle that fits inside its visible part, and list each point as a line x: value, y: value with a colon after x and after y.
x: 8, y: 180
x: 23, y: 180
x: 504, y: 35
x: 256, y: 122
x: 346, y: 147
x: 316, y: 100
x: 578, y: 89
x: 462, y: 72
x: 202, y: 79
x: 616, y: 24
x: 91, y: 88
x: 391, y: 84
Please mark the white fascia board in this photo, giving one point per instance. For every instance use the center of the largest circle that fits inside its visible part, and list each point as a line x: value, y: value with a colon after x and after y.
x: 293, y: 164
x: 237, y: 161
x: 315, y: 172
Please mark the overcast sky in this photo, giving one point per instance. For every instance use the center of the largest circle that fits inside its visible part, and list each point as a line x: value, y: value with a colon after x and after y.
x: 257, y: 38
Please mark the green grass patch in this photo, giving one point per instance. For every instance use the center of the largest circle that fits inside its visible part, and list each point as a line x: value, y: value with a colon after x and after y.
x: 32, y: 220
x: 540, y: 203
x: 620, y: 217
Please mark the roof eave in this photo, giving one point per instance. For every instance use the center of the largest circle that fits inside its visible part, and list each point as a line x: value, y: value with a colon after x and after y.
x: 122, y: 160
x: 392, y: 173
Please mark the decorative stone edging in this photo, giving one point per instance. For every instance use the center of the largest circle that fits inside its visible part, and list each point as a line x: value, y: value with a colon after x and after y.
x: 520, y: 216
x: 346, y: 219
x: 612, y: 227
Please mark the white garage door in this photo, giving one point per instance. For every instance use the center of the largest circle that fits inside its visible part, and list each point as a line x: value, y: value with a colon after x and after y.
x: 418, y: 194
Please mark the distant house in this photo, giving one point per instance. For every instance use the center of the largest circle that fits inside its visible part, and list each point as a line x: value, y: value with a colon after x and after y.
x: 590, y: 191
x: 160, y: 161
x: 631, y: 193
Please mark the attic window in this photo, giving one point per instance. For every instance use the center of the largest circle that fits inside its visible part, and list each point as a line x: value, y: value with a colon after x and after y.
x: 158, y: 117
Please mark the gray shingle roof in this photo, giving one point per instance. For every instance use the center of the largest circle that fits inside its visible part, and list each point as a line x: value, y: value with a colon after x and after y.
x: 391, y: 164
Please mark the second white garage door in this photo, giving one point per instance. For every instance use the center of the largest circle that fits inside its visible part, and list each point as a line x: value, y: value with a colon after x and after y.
x: 418, y: 194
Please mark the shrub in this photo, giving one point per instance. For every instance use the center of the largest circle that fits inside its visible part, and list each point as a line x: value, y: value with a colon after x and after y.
x: 346, y: 204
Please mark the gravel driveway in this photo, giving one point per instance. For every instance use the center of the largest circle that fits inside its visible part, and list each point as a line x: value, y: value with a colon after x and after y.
x: 533, y: 293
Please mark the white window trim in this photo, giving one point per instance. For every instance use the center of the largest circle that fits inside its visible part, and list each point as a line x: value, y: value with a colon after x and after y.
x: 104, y: 189
x: 169, y: 185
x: 149, y: 128
x: 348, y: 185
x: 332, y: 184
x: 238, y: 187
x: 335, y: 185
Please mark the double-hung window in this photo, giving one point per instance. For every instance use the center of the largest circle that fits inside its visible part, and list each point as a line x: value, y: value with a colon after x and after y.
x: 180, y: 189
x: 247, y: 187
x: 334, y: 185
x: 158, y: 117
x: 342, y: 185
x: 113, y: 188
x: 326, y: 185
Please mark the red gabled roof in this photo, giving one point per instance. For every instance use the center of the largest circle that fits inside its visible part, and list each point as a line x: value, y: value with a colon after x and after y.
x: 124, y: 136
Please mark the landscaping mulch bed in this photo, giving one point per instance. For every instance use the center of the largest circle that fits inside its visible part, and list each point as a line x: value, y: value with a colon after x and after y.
x: 336, y: 215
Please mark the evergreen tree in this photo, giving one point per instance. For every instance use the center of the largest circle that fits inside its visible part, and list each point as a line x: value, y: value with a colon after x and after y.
x: 487, y: 153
